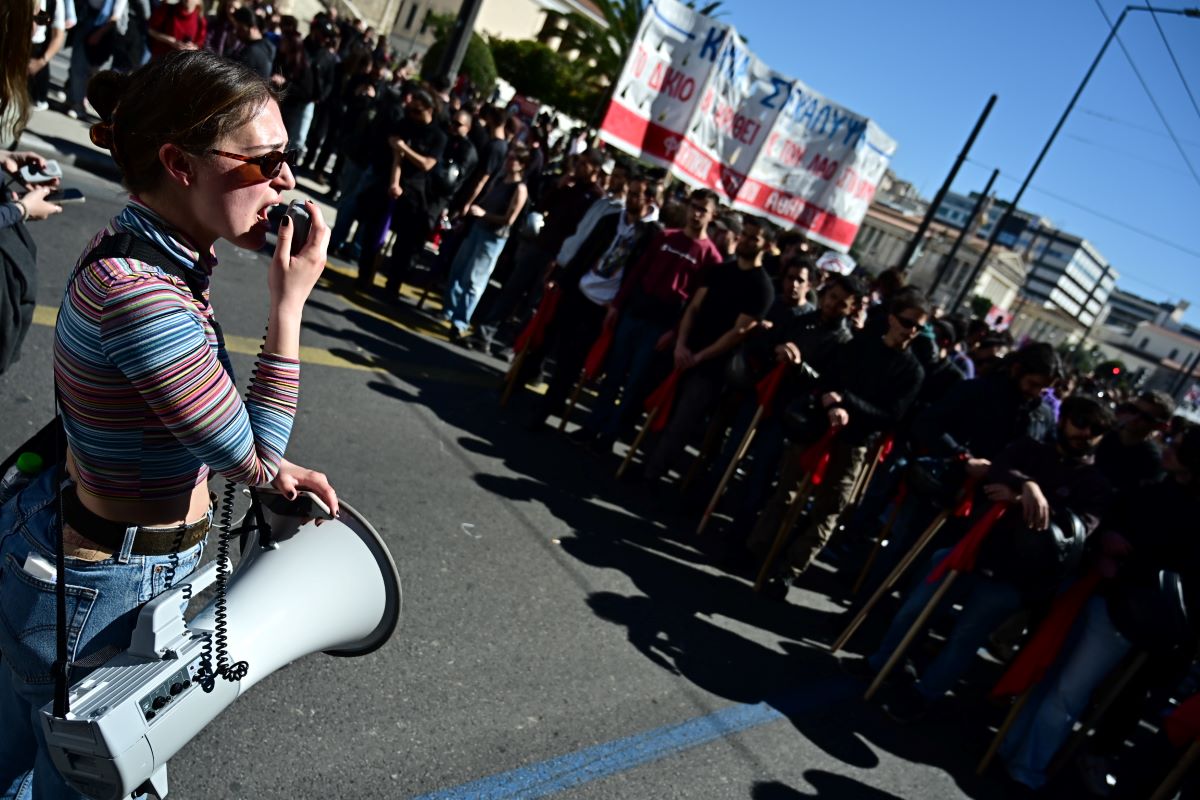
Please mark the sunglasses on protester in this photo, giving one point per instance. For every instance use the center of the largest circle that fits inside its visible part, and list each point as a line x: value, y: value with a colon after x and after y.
x: 269, y: 164
x: 909, y: 324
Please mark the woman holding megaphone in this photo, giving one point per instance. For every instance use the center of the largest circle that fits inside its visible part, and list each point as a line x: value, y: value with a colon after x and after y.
x: 148, y: 400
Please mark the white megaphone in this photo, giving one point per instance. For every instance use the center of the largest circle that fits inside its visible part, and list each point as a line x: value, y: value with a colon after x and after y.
x: 298, y: 589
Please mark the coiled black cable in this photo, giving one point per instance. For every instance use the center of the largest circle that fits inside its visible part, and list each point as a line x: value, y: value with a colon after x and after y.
x: 235, y: 671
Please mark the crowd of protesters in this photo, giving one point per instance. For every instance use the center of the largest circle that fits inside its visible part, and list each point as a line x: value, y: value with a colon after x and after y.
x: 699, y: 326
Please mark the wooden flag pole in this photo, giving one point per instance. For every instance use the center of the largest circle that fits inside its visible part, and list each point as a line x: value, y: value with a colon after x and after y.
x: 1166, y: 789
x: 790, y: 515
x: 562, y: 423
x: 914, y: 629
x: 998, y: 739
x: 514, y: 375
x: 637, y: 442
x: 874, y: 554
x: 729, y: 470
x: 891, y: 579
x: 712, y: 438
x: 1099, y: 709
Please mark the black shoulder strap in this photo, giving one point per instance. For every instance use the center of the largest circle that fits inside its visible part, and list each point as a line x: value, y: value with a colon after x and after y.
x: 126, y: 245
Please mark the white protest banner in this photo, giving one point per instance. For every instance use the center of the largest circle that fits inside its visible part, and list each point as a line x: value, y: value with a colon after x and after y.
x: 660, y: 86
x: 694, y: 98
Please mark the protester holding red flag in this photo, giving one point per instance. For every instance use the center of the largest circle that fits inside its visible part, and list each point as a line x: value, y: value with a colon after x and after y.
x: 734, y: 298
x: 649, y: 305
x: 869, y: 391
x: 590, y: 281
x: 1153, y: 565
x: 814, y: 339
x: 1049, y: 482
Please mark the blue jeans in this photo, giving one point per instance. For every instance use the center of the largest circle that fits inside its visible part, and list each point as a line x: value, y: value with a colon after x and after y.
x: 355, y: 178
x: 103, y: 599
x: 473, y: 265
x: 985, y: 604
x: 627, y: 370
x: 1091, y: 653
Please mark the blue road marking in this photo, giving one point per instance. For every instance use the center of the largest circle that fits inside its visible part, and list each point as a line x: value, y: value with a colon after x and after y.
x: 573, y: 769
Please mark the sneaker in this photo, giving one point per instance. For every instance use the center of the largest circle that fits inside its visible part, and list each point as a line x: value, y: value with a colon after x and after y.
x: 776, y: 588
x: 906, y: 704
x: 857, y: 667
x: 581, y: 436
x: 73, y: 113
x: 41, y: 105
x: 1096, y: 775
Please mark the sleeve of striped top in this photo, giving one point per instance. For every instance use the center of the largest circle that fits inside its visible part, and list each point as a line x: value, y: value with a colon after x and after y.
x: 153, y: 334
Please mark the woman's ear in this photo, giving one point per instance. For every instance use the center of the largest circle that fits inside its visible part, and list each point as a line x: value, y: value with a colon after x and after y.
x: 178, y: 164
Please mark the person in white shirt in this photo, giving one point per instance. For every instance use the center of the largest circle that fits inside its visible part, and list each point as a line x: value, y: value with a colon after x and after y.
x: 49, y: 35
x: 103, y: 21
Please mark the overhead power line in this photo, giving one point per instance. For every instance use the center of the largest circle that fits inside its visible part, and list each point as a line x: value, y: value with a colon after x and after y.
x: 1096, y: 213
x: 1150, y: 96
x: 1174, y: 61
x: 1131, y: 124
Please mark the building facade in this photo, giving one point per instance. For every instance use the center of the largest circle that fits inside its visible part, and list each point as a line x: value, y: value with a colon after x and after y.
x: 1127, y: 310
x: 408, y: 21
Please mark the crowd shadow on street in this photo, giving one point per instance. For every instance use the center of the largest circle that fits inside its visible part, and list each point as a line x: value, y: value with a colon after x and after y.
x: 677, y: 619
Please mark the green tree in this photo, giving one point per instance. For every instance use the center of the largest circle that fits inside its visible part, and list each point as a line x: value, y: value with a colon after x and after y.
x: 539, y: 72
x: 980, y: 306
x: 604, y: 50
x: 477, y: 63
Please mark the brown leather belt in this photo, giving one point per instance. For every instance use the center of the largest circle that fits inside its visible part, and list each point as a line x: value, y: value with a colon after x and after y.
x: 147, y: 541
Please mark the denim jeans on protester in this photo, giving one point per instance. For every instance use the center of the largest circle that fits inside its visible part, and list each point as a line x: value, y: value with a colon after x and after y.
x: 1092, y: 651
x: 355, y: 179
x: 627, y: 373
x: 103, y: 599
x: 985, y: 604
x: 473, y: 265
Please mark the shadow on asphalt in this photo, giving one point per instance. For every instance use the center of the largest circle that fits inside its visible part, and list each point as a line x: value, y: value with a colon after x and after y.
x: 673, y: 622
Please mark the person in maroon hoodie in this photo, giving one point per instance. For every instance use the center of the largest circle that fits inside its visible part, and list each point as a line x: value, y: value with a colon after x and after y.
x: 646, y: 311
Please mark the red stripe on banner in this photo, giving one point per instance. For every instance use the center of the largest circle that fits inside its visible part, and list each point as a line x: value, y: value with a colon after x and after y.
x: 645, y: 139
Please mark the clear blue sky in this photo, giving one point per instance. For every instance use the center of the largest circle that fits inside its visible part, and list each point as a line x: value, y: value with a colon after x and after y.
x: 924, y: 69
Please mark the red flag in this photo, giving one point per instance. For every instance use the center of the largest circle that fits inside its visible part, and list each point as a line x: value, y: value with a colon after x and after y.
x: 962, y: 557
x: 886, y: 450
x: 1041, y: 651
x: 595, y: 356
x: 535, y: 331
x: 769, y: 385
x: 1183, y: 725
x: 662, y: 398
x: 815, y: 459
x: 967, y: 504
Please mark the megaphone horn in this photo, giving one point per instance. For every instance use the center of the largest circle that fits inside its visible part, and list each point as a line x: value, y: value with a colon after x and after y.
x: 302, y: 590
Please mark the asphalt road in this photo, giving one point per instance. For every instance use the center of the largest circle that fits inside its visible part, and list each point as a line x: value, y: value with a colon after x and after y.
x: 551, y: 614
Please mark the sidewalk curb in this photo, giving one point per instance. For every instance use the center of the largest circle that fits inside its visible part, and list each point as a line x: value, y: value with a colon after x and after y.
x: 68, y: 152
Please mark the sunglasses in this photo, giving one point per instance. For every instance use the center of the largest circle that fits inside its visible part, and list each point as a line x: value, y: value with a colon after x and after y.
x: 909, y: 324
x: 268, y: 164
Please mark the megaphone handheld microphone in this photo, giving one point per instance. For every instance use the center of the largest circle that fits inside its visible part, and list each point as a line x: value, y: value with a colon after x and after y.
x: 128, y: 717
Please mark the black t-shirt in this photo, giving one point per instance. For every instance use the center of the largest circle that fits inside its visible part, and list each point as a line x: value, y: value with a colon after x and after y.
x: 258, y: 55
x: 454, y: 169
x: 731, y: 292
x: 426, y: 138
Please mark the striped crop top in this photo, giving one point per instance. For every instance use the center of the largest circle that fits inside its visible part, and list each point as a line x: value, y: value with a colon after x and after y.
x: 147, y: 393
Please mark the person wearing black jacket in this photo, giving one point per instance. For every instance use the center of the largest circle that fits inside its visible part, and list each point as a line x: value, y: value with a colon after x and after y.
x: 590, y: 280
x: 734, y: 299
x: 868, y: 391
x: 1148, y: 536
x: 257, y: 52
x: 813, y: 339
x: 1046, y: 481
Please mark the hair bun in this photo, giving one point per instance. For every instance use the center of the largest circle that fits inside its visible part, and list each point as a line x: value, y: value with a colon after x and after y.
x: 105, y: 91
x: 102, y: 135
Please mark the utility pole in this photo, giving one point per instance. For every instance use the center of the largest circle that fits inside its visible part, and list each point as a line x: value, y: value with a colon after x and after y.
x: 941, y: 194
x: 948, y: 261
x: 460, y: 37
x: 1008, y: 212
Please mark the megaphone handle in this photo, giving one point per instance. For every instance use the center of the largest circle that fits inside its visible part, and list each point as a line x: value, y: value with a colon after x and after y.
x: 160, y: 622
